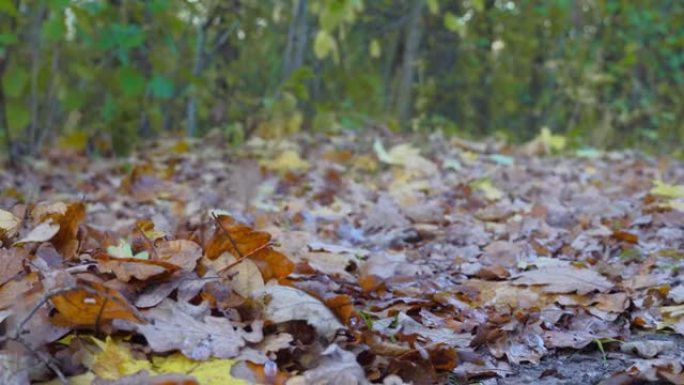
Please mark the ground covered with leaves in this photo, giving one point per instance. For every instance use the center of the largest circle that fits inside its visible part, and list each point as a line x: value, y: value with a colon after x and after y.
x: 343, y: 260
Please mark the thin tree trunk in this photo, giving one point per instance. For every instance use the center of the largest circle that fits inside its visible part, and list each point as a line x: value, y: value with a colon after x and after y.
x: 297, y: 39
x: 34, y: 134
x: 191, y: 108
x: 413, y: 35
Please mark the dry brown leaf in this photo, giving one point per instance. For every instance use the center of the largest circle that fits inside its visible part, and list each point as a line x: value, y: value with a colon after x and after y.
x: 284, y: 303
x: 13, y: 290
x: 66, y: 241
x: 127, y: 268
x: 11, y: 263
x: 564, y: 279
x: 243, y: 242
x: 92, y: 304
x: 41, y: 233
x: 199, y: 336
x: 180, y: 252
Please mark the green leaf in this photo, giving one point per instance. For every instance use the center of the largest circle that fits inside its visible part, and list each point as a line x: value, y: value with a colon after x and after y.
x: 59, y: 4
x: 161, y: 86
x: 433, y: 6
x: 54, y: 29
x: 14, y: 81
x: 7, y: 6
x: 454, y: 24
x: 131, y: 81
x: 18, y: 116
x: 375, y: 50
x: 324, y: 45
x: 8, y: 39
x: 478, y: 5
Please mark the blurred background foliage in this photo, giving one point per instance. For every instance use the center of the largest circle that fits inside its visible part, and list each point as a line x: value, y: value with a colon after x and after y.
x: 99, y: 75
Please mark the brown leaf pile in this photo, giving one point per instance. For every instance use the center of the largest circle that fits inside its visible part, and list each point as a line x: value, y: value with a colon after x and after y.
x: 350, y: 264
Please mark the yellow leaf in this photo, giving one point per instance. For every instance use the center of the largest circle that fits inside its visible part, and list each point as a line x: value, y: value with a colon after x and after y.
x: 374, y: 49
x: 667, y: 190
x: 487, y: 188
x: 287, y: 161
x: 433, y: 6
x: 214, y: 371
x: 8, y: 222
x: 115, y: 360
x: 324, y: 45
x: 553, y: 142
x: 76, y: 141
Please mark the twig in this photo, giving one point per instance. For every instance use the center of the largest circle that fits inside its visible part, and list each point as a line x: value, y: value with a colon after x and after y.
x: 241, y: 257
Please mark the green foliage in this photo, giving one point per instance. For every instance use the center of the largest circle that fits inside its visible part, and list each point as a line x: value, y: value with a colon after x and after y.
x: 602, y: 73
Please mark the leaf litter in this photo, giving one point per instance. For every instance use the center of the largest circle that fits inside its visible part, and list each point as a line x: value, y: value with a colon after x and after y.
x: 337, y: 261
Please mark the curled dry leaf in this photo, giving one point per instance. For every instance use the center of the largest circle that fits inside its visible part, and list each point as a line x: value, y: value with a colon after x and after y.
x: 127, y: 268
x: 180, y: 252
x: 284, y: 303
x: 336, y: 367
x: 66, y: 240
x: 184, y: 327
x: 90, y: 305
x: 41, y: 233
x: 564, y: 279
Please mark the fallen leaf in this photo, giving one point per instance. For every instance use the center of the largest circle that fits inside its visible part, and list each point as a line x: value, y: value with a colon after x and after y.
x: 336, y: 367
x: 288, y: 160
x: 283, y: 303
x: 41, y: 233
x: 8, y: 224
x: 647, y: 348
x: 214, y: 371
x: 92, y: 304
x: 180, y: 252
x: 124, y: 250
x: 487, y: 188
x: 115, y: 360
x: 11, y: 263
x: 171, y: 327
x: 562, y: 279
x: 243, y: 242
x: 127, y: 268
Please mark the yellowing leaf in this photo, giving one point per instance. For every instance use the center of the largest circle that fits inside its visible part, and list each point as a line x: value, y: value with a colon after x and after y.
x: 374, y: 49
x: 76, y: 141
x: 325, y: 45
x: 211, y: 372
x: 433, y: 6
x: 115, y: 360
x: 123, y: 250
x: 8, y: 223
x: 287, y: 161
x: 667, y: 190
x: 487, y: 188
x: 404, y: 155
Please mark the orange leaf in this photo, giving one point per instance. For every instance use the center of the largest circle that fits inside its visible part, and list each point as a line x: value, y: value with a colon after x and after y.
x: 243, y: 242
x: 66, y: 239
x: 342, y: 306
x: 92, y: 304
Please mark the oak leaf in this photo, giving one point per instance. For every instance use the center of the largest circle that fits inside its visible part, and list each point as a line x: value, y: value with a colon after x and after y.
x: 564, y: 279
x: 91, y: 304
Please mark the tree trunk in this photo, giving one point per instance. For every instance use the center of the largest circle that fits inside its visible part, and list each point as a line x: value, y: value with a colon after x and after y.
x: 404, y: 91
x: 297, y: 39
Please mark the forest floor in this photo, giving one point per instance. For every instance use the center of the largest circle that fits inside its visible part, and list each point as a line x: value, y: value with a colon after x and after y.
x: 343, y: 260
